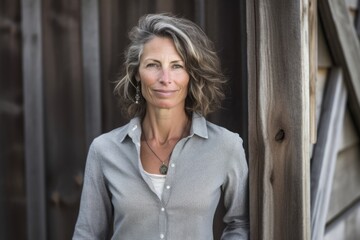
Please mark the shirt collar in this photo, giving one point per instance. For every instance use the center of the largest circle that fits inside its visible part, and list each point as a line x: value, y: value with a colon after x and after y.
x: 133, y: 128
x: 199, y: 126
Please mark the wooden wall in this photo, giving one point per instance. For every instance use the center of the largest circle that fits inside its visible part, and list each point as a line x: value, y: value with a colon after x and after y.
x: 343, y: 218
x: 12, y: 178
x: 343, y: 215
x: 60, y: 46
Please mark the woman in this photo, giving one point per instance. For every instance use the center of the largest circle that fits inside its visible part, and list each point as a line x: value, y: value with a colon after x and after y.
x: 161, y: 175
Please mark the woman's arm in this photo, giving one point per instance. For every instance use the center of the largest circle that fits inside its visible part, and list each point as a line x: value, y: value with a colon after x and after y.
x: 95, y: 214
x: 236, y: 196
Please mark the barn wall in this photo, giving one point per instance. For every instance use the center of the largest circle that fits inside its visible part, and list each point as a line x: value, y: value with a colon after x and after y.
x: 347, y: 229
x: 343, y: 216
x: 345, y: 193
x: 64, y: 105
x: 12, y: 178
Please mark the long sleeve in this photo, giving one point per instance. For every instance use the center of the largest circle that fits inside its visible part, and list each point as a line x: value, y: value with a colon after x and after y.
x: 95, y: 212
x: 236, y: 196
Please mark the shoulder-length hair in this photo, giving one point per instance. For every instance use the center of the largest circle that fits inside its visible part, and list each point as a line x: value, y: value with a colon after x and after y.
x: 205, y: 91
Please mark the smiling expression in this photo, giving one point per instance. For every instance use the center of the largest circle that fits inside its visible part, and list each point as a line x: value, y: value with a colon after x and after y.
x: 163, y: 76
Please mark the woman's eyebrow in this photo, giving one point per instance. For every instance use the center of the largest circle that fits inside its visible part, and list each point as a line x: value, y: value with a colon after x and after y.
x: 155, y: 60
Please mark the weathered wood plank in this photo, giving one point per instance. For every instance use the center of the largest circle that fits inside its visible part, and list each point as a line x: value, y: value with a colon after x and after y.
x: 324, y: 58
x: 164, y: 5
x: 357, y: 20
x: 34, y: 115
x: 346, y: 225
x: 349, y: 137
x: 352, y: 15
x: 113, y: 39
x: 313, y: 65
x: 91, y: 67
x: 346, y: 184
x: 12, y: 159
x: 200, y: 13
x: 65, y: 132
x: 345, y: 48
x: 278, y: 68
x: 322, y: 76
x: 325, y: 151
x: 351, y: 4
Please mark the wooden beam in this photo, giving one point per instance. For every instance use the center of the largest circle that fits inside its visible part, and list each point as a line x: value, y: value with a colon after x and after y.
x: 345, y: 48
x: 91, y: 67
x: 313, y: 65
x: 278, y: 70
x: 325, y: 151
x: 34, y: 119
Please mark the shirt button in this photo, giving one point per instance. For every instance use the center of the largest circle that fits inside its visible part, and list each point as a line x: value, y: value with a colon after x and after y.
x: 162, y: 209
x: 162, y: 236
x: 172, y: 165
x: 167, y: 187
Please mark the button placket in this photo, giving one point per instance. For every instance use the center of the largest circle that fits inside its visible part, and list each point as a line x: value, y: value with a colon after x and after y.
x: 167, y: 190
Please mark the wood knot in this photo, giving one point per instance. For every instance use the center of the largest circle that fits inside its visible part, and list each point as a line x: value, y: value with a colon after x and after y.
x: 280, y: 135
x: 272, y: 177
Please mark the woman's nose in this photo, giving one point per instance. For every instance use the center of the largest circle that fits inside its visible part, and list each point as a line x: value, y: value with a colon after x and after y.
x: 164, y: 77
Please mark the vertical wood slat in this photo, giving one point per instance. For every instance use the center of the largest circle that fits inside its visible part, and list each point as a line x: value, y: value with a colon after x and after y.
x: 313, y: 65
x: 164, y: 5
x: 200, y: 13
x: 357, y: 20
x: 244, y: 75
x: 91, y: 67
x: 34, y: 114
x: 345, y: 48
x: 325, y: 151
x: 279, y: 140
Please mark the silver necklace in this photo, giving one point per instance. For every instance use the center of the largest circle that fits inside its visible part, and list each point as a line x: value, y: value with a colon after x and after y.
x: 163, y: 168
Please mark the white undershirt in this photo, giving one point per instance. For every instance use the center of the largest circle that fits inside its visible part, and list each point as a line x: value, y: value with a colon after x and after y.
x: 158, y: 182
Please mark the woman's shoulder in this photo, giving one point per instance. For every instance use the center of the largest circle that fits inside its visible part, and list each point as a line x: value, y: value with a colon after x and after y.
x: 208, y: 129
x: 116, y: 135
x: 221, y: 132
x: 229, y: 144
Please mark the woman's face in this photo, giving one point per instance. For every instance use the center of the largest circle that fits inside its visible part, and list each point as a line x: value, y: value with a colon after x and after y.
x: 164, y: 79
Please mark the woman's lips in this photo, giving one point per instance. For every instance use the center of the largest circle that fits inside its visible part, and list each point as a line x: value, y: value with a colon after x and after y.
x: 165, y: 93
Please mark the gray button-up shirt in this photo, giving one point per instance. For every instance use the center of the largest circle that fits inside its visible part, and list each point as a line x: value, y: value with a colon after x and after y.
x: 119, y: 201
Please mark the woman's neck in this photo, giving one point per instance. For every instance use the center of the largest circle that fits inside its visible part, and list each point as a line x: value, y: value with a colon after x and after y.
x: 164, y: 126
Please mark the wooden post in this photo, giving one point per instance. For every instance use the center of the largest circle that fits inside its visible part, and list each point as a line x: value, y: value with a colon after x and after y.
x: 278, y: 70
x: 91, y: 67
x: 34, y: 119
x: 325, y: 151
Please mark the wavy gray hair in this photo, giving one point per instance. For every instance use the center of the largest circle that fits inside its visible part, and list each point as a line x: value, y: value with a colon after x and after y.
x: 205, y: 91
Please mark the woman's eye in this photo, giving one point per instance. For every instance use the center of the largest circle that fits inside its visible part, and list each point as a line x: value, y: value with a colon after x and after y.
x: 151, y: 65
x: 175, y: 66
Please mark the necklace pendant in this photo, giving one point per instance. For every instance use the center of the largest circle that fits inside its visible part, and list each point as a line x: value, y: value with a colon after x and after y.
x: 163, y: 169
